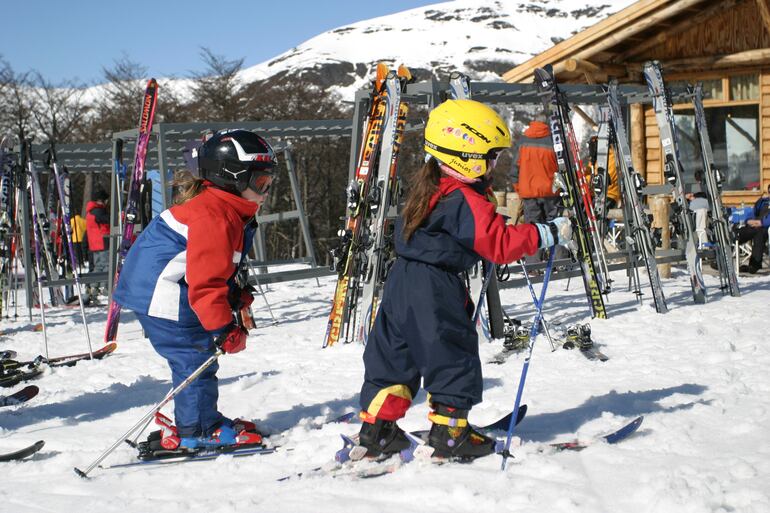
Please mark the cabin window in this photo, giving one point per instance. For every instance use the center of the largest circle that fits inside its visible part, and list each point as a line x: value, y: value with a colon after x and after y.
x: 734, y: 135
x: 744, y: 87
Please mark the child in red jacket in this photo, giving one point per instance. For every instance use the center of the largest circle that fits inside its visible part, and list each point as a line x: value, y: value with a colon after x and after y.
x: 181, y: 278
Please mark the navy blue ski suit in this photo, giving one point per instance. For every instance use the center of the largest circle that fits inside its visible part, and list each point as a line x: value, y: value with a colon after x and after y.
x: 423, y: 329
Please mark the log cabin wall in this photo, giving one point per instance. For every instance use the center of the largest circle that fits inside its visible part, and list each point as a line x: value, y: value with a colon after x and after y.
x: 689, y: 57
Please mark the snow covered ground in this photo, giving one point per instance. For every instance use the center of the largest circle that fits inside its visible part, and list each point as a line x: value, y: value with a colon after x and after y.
x: 698, y: 374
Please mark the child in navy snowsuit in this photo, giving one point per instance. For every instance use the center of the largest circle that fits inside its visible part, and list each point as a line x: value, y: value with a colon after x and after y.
x: 423, y: 332
x: 179, y: 277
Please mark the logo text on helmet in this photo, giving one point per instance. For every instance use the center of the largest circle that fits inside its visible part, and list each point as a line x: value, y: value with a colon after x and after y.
x: 475, y: 132
x: 235, y: 174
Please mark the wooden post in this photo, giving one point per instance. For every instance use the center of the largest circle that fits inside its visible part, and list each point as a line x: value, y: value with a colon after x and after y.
x: 660, y: 205
x: 638, y: 140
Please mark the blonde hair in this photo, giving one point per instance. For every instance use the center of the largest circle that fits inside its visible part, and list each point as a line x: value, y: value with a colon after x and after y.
x: 187, y: 186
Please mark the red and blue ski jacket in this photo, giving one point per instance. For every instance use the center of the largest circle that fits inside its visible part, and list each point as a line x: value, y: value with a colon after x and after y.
x: 182, y: 265
x: 462, y: 227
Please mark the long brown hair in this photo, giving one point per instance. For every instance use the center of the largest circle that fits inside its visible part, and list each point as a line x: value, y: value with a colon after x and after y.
x: 422, y: 188
x: 187, y: 186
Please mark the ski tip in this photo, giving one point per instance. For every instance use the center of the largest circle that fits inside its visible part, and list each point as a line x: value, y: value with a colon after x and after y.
x: 382, y: 72
x: 405, y: 73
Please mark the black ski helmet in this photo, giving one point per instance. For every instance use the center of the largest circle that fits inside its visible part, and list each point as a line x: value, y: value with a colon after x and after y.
x: 234, y: 159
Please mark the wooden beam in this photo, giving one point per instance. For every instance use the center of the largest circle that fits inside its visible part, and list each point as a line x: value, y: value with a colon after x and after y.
x: 663, y: 36
x: 566, y: 48
x: 764, y: 13
x: 638, y: 139
x: 749, y: 57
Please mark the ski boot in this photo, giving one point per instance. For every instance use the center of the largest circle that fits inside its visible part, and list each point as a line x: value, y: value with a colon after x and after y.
x: 381, y: 437
x: 451, y: 436
x: 238, y: 432
x: 579, y: 336
x: 516, y: 338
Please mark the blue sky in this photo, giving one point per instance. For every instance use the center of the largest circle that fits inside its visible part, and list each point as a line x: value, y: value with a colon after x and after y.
x: 74, y: 39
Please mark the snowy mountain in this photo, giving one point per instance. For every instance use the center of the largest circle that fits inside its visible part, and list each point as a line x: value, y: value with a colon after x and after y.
x: 483, y: 38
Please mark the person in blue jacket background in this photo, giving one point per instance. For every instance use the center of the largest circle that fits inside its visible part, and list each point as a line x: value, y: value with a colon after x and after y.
x: 423, y: 330
x: 756, y: 232
x: 180, y: 278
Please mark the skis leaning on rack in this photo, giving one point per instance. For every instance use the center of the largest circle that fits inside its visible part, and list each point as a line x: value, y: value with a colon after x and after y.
x: 365, y: 240
x: 637, y: 221
x: 132, y: 203
x: 713, y: 178
x: 556, y: 104
x: 346, y: 257
x: 664, y: 114
x: 378, y: 231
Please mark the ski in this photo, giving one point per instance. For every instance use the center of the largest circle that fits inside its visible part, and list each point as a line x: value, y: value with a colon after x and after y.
x: 8, y: 354
x: 370, y: 468
x: 171, y: 457
x: 713, y: 179
x: 611, y: 438
x: 13, y: 377
x: 161, y: 456
x: 61, y: 361
x: 638, y: 230
x: 22, y: 453
x: 22, y: 396
x: 383, y: 201
x: 132, y: 203
x: 555, y: 103
x: 348, y: 257
x: 664, y: 115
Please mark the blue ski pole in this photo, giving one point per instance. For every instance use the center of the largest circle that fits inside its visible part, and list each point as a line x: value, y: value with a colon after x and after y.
x: 532, y: 335
x: 535, y: 301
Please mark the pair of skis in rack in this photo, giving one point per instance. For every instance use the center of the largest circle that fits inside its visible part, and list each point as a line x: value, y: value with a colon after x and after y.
x: 365, y: 241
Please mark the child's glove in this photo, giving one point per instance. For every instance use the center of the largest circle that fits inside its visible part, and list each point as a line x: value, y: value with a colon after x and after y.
x: 558, y: 231
x: 232, y: 340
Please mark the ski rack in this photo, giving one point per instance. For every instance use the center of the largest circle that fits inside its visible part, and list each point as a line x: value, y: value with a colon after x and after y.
x: 431, y: 93
x: 166, y: 145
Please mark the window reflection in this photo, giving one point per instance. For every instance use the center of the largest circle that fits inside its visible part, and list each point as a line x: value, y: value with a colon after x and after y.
x: 734, y: 141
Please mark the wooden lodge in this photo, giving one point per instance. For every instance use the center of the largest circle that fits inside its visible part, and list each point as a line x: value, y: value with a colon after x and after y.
x: 723, y: 43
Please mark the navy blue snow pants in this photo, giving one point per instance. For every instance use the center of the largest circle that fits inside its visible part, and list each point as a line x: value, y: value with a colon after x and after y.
x: 423, y: 331
x: 186, y: 348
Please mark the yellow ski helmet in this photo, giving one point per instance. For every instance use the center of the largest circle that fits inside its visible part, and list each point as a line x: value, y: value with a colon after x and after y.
x: 464, y: 135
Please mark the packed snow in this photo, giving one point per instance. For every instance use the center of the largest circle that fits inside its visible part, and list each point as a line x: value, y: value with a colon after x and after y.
x: 698, y: 375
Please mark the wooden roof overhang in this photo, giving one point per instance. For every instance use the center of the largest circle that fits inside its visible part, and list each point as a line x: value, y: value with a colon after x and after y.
x: 617, y: 46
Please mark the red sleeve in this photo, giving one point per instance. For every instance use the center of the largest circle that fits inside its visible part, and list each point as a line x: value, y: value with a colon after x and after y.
x: 494, y: 240
x: 210, y: 252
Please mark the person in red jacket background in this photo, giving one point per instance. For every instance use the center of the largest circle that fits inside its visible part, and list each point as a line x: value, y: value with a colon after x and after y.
x: 537, y: 166
x: 98, y: 233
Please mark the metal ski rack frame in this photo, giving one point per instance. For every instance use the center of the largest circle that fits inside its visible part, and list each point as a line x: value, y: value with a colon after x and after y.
x: 169, y: 144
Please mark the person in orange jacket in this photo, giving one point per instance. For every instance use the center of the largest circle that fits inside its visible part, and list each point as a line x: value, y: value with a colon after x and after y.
x: 537, y: 166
